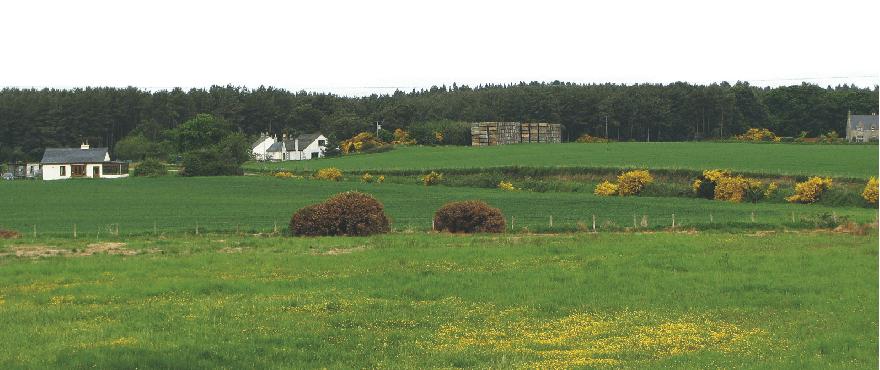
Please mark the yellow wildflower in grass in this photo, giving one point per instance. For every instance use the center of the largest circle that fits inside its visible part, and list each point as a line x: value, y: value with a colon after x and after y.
x: 367, y: 178
x: 582, y: 339
x: 810, y: 191
x: 380, y: 179
x: 432, y: 178
x: 124, y: 341
x: 633, y: 182
x: 332, y: 174
x: 606, y: 189
x: 438, y: 136
x: 870, y: 192
x: 506, y: 186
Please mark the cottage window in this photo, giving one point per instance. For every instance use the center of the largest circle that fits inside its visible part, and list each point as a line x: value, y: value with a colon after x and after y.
x: 322, y: 143
x: 63, y: 170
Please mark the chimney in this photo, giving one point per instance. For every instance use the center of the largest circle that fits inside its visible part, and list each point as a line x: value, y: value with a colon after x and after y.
x: 84, y: 146
x: 296, y: 145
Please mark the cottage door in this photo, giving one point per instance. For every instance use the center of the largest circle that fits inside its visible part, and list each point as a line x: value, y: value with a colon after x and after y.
x: 78, y: 170
x: 96, y: 172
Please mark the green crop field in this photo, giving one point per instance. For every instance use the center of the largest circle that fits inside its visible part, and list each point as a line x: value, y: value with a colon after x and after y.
x: 849, y: 161
x: 260, y: 203
x: 656, y: 300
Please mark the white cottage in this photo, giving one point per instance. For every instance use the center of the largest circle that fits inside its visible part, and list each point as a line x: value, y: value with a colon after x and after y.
x: 85, y: 162
x: 303, y: 147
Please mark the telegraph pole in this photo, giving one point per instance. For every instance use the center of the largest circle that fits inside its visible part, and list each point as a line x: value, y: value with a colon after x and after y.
x: 378, y: 127
x: 606, y: 126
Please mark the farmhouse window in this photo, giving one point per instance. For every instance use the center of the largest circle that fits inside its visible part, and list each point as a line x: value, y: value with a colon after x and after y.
x: 322, y: 143
x: 63, y: 170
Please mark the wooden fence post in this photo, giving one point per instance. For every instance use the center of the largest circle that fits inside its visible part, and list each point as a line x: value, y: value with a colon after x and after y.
x: 74, y: 231
x: 673, y: 220
x: 35, y: 230
x: 551, y: 220
x: 594, y: 223
x: 753, y: 216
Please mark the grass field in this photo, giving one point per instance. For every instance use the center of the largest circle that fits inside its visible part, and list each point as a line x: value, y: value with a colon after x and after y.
x: 655, y: 300
x: 191, y: 272
x: 259, y: 203
x: 848, y: 161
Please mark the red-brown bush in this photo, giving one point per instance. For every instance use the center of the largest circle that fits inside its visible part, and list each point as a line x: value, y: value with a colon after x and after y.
x: 471, y: 216
x: 9, y: 234
x: 350, y: 213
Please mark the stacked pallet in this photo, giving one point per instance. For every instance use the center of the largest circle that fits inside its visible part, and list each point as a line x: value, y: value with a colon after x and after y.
x: 501, y: 133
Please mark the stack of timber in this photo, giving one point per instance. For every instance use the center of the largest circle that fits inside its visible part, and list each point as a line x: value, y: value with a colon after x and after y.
x: 501, y: 133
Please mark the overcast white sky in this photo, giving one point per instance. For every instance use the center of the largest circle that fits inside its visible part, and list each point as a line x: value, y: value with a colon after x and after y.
x: 359, y: 47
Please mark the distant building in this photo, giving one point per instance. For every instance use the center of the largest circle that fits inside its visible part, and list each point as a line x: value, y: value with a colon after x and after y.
x: 85, y: 162
x: 861, y: 128
x: 303, y: 147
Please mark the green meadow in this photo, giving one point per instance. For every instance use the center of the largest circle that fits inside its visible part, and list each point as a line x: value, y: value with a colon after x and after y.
x: 635, y: 300
x: 847, y: 161
x: 176, y: 272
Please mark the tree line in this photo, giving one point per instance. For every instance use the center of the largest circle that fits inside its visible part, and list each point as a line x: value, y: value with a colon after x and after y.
x: 33, y: 119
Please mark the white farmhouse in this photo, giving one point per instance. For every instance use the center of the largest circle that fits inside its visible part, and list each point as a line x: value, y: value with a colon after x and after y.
x: 303, y: 147
x: 261, y: 146
x: 85, y: 162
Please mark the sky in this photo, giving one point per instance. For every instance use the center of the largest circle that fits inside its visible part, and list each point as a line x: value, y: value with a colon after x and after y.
x: 362, y: 47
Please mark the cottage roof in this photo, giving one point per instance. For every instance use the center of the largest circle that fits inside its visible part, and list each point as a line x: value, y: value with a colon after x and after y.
x: 866, y: 119
x: 276, y: 147
x: 259, y: 141
x: 74, y: 155
x: 306, y: 139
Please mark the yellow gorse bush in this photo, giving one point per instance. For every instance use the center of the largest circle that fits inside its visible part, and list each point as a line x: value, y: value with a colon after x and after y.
x: 380, y: 179
x: 758, y: 134
x: 633, y: 182
x: 771, y: 189
x: 587, y: 138
x: 506, y: 186
x: 606, y: 189
x: 870, y: 192
x: 284, y: 174
x: 432, y: 178
x: 809, y: 191
x: 360, y: 142
x: 367, y: 178
x: 401, y: 137
x: 714, y: 175
x: 737, y: 188
x: 696, y: 185
x: 332, y: 174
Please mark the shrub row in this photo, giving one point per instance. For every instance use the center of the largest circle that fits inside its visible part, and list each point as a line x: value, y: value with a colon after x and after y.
x: 358, y: 214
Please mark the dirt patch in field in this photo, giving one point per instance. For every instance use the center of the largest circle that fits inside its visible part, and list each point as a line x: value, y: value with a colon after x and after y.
x: 338, y: 251
x: 38, y: 251
x: 230, y: 250
x: 35, y: 251
x: 109, y: 248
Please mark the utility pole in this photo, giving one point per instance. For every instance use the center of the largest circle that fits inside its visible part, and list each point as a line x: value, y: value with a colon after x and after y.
x: 606, y: 126
x: 378, y: 127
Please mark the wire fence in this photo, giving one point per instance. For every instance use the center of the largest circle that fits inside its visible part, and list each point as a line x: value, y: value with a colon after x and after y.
x: 515, y: 223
